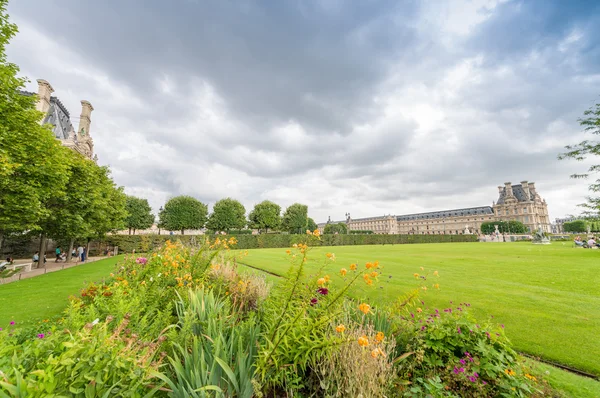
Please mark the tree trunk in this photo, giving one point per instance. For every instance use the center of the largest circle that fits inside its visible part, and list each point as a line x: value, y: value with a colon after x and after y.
x: 1, y: 240
x: 71, y: 243
x: 134, y: 231
x: 42, y: 250
x: 87, y: 249
x: 129, y: 230
x: 181, y: 231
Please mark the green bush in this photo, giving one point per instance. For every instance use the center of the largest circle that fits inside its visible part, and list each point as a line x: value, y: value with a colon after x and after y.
x: 360, y: 232
x: 128, y: 243
x: 505, y: 227
x: 577, y: 226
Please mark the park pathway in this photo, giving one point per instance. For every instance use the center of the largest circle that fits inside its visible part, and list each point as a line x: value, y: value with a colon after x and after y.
x: 51, y: 266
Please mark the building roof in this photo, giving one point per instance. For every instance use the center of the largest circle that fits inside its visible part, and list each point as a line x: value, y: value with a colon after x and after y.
x: 470, y: 211
x: 518, y: 193
x: 58, y: 116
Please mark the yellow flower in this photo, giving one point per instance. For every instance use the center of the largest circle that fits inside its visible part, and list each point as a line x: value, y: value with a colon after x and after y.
x: 363, y: 341
x: 329, y: 255
x: 435, y: 273
x: 353, y: 267
x: 419, y: 309
x: 327, y: 278
x: 112, y: 275
x: 321, y: 281
x: 374, y: 274
x: 308, y: 232
x: 365, y: 308
x: 509, y: 372
x: 437, y: 286
x: 45, y: 321
x: 343, y: 271
x: 316, y: 232
x: 422, y: 269
x: 143, y: 283
x: 416, y: 275
x: 340, y: 328
x: 379, y: 337
x: 530, y: 377
x: 376, y: 352
x: 288, y: 251
x: 424, y: 288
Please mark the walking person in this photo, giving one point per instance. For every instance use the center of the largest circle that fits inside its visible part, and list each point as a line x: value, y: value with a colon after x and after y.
x: 84, y: 255
x: 79, y: 253
x: 58, y: 256
x: 36, y: 259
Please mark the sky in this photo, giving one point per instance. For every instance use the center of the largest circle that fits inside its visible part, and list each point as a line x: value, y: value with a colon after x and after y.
x: 361, y: 107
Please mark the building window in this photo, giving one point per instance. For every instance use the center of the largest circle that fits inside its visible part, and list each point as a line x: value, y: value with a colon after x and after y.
x: 524, y: 209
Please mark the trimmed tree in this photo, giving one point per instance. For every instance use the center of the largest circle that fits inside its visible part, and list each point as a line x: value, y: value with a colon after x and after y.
x: 295, y: 219
x: 227, y: 214
x: 183, y: 212
x: 311, y: 224
x: 31, y: 165
x: 591, y: 124
x: 139, y: 214
x: 332, y: 229
x: 513, y: 227
x: 265, y: 215
x: 576, y: 226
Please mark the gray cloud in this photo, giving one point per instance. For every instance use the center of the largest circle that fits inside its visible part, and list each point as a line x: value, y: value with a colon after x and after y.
x: 371, y: 107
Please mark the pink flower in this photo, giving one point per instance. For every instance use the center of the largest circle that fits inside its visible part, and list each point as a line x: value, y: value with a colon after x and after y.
x: 40, y: 336
x: 313, y: 301
x: 141, y: 260
x: 12, y: 322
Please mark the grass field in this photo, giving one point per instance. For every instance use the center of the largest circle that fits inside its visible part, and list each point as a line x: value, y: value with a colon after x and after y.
x: 548, y: 297
x: 46, y: 296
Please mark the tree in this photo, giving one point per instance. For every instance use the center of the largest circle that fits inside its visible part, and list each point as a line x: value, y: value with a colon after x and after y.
x: 311, y: 224
x: 139, y: 214
x: 31, y: 167
x: 513, y: 227
x: 295, y: 219
x: 591, y: 124
x: 227, y: 214
x: 265, y: 215
x: 575, y: 226
x: 183, y: 212
x: 332, y: 229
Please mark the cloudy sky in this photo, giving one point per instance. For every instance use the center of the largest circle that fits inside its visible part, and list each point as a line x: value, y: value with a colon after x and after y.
x: 367, y: 107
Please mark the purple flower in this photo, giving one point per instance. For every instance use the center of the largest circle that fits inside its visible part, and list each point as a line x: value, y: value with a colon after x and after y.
x: 12, y: 322
x: 0, y: 329
x: 412, y: 315
x: 323, y: 291
x: 423, y: 327
x: 141, y: 260
x: 455, y: 370
x: 437, y: 311
x: 461, y: 370
x: 487, y: 334
x: 502, y: 326
x: 462, y: 361
x: 472, y: 379
x: 476, y: 374
x: 484, y: 382
x: 40, y: 336
x: 467, y: 353
x: 313, y: 301
x: 458, y: 330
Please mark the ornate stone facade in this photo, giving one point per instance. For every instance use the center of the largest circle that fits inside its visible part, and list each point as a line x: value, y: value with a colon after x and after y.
x: 515, y: 202
x: 56, y: 114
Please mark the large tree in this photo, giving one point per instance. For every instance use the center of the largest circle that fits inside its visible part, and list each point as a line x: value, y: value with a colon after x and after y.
x: 295, y: 219
x: 183, y: 212
x: 265, y: 215
x: 139, y: 214
x: 591, y: 124
x: 227, y: 214
x: 31, y: 167
x: 311, y: 224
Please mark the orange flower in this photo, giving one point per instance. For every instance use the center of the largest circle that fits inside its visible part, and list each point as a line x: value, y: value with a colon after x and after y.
x: 288, y: 251
x: 416, y: 275
x: 329, y: 255
x: 340, y: 328
x: 327, y: 278
x: 365, y: 308
x: 374, y: 274
x: 343, y: 271
x: 437, y: 286
x: 376, y: 264
x: 143, y: 283
x: 424, y: 288
x: 379, y: 337
x: 369, y: 265
x: 321, y: 281
x: 369, y: 282
x: 363, y: 341
x: 376, y: 352
x: 308, y: 232
x: 435, y: 273
x: 419, y: 309
x: 316, y: 232
x: 353, y: 267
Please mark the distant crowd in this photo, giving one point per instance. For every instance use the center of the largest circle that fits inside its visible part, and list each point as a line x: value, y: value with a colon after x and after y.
x: 590, y: 243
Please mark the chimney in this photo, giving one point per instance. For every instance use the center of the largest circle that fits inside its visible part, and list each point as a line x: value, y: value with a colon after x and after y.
x: 500, y: 189
x: 84, y: 119
x: 508, y: 187
x: 525, y: 189
x: 532, y: 188
x: 45, y: 90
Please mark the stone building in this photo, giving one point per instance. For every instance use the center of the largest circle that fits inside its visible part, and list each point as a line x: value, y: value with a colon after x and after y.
x: 57, y: 115
x: 515, y: 202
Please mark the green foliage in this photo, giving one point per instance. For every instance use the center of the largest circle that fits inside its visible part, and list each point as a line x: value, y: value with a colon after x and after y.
x: 332, y: 229
x: 183, y: 212
x: 591, y: 124
x: 295, y: 219
x: 311, y: 225
x: 139, y: 214
x: 128, y: 243
x: 577, y: 226
x: 505, y: 227
x: 227, y: 214
x: 31, y: 166
x: 360, y: 232
x: 265, y: 215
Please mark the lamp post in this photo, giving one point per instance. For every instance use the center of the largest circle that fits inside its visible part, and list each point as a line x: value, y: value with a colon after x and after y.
x: 159, y: 211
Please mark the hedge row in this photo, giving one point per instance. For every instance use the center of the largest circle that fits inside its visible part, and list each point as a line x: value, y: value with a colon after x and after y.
x: 144, y: 243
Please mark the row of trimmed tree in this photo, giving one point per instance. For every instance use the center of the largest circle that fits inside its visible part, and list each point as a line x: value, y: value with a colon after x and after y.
x: 187, y: 213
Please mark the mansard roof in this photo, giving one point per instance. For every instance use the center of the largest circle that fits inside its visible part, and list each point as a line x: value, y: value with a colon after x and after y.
x: 518, y: 193
x: 469, y: 211
x: 58, y: 116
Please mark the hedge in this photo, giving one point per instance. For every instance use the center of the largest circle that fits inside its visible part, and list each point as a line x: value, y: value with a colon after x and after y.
x: 144, y: 243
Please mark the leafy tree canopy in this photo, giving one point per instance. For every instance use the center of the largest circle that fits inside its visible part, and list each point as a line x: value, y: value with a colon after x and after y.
x: 265, y: 215
x: 227, y: 214
x: 183, y: 212
x: 577, y: 226
x: 513, y: 227
x: 139, y: 214
x: 311, y: 224
x: 591, y: 124
x: 31, y: 166
x: 339, y: 228
x: 295, y: 219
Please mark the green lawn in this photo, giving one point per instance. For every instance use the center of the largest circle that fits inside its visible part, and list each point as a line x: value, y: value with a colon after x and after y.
x: 548, y: 297
x: 45, y: 296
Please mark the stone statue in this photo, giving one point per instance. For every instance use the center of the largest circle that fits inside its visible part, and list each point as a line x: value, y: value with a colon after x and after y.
x: 540, y: 238
x: 467, y: 231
